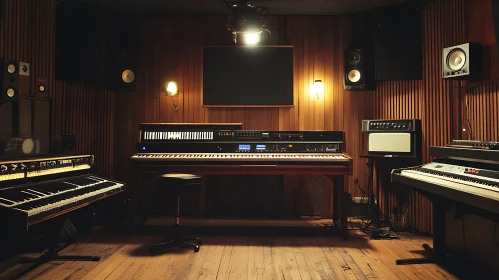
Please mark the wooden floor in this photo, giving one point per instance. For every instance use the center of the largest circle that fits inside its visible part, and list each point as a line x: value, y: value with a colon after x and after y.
x: 230, y: 253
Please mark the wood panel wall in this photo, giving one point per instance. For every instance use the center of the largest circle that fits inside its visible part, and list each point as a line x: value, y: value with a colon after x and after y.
x: 318, y: 54
x: 28, y: 34
x: 106, y: 123
x: 445, y: 107
x: 430, y: 99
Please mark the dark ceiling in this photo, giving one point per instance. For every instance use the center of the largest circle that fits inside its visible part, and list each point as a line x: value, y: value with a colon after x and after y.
x: 211, y: 7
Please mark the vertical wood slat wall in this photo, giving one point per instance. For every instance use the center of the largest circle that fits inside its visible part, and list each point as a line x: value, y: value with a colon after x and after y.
x: 430, y: 99
x: 28, y: 34
x: 481, y: 112
x: 318, y: 43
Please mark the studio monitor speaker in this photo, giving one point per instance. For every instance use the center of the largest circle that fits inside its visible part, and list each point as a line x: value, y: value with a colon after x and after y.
x: 123, y: 58
x: 9, y: 79
x: 357, y: 70
x: 462, y: 61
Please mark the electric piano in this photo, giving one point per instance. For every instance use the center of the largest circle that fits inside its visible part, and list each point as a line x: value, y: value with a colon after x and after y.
x: 225, y: 149
x: 41, y: 190
x: 469, y: 176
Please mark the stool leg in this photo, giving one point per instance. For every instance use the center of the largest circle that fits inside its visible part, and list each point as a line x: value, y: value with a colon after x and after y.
x: 177, y: 218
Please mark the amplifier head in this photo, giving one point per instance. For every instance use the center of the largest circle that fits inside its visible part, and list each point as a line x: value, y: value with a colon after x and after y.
x: 408, y: 125
x: 19, y: 147
x: 393, y: 138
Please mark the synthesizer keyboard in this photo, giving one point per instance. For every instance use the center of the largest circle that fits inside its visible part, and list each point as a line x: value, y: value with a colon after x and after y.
x: 37, y: 202
x: 18, y: 169
x: 461, y: 178
x: 238, y: 157
x: 474, y: 144
x: 464, y: 175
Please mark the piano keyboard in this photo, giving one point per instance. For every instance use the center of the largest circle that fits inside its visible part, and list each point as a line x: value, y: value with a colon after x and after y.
x: 466, y: 179
x: 178, y: 135
x: 238, y: 157
x: 39, y: 201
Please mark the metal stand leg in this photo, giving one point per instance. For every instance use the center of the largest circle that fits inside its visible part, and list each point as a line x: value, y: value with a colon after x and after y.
x: 54, y: 249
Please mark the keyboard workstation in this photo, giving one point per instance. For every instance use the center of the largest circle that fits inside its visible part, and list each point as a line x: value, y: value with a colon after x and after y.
x: 37, y: 194
x: 226, y: 149
x: 466, y: 176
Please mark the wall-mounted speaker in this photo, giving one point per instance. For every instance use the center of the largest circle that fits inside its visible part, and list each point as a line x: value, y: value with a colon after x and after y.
x: 462, y: 61
x: 122, y: 65
x: 9, y: 79
x: 358, y: 70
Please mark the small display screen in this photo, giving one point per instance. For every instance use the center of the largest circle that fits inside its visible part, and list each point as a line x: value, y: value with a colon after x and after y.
x: 261, y: 147
x: 244, y: 147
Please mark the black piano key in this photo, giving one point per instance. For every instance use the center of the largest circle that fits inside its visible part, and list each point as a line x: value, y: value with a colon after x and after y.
x: 6, y: 202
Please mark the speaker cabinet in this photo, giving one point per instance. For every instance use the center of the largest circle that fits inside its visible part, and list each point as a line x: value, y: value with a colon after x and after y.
x: 122, y: 66
x: 462, y: 62
x: 358, y: 70
x: 393, y: 138
x: 9, y: 79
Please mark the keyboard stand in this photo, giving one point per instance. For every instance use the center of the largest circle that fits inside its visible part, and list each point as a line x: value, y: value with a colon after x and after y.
x: 52, y: 253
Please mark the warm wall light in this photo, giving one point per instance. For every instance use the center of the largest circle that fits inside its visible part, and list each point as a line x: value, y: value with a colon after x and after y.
x: 172, y: 90
x: 318, y: 88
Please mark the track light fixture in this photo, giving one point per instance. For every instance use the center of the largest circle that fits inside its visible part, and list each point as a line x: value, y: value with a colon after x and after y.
x: 247, y: 20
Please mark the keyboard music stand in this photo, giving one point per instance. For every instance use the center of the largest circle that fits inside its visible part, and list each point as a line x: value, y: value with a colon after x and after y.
x: 54, y: 248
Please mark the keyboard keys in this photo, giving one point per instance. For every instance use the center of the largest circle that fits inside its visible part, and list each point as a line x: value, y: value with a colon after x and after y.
x: 48, y: 198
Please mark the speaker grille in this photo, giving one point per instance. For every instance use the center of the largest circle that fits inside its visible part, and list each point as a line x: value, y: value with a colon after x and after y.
x: 354, y: 76
x: 11, y: 68
x: 128, y: 76
x: 456, y: 59
x: 354, y: 58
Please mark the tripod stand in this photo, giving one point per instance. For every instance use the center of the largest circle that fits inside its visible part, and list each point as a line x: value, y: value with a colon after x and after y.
x: 374, y: 202
x: 55, y: 246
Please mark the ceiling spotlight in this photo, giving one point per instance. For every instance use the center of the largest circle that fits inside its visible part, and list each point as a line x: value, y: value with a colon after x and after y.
x: 252, y: 38
x: 248, y: 20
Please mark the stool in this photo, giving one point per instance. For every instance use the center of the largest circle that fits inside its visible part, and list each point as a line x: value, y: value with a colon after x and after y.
x: 178, y: 184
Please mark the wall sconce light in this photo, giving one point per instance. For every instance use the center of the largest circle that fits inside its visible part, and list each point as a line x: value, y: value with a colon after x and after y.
x: 318, y: 88
x: 172, y: 90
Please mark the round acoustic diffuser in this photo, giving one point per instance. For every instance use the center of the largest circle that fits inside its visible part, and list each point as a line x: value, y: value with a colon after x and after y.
x: 354, y: 58
x: 128, y: 76
x: 11, y: 68
x: 354, y: 76
x: 456, y: 59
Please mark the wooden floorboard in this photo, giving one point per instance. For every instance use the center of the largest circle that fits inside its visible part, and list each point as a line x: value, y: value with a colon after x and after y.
x: 239, y: 255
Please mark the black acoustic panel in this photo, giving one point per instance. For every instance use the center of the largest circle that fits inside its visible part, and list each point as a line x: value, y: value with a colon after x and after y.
x: 79, y: 42
x: 495, y: 14
x: 398, y: 42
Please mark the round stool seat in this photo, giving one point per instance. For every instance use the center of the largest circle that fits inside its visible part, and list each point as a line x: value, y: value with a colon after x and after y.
x: 177, y: 181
